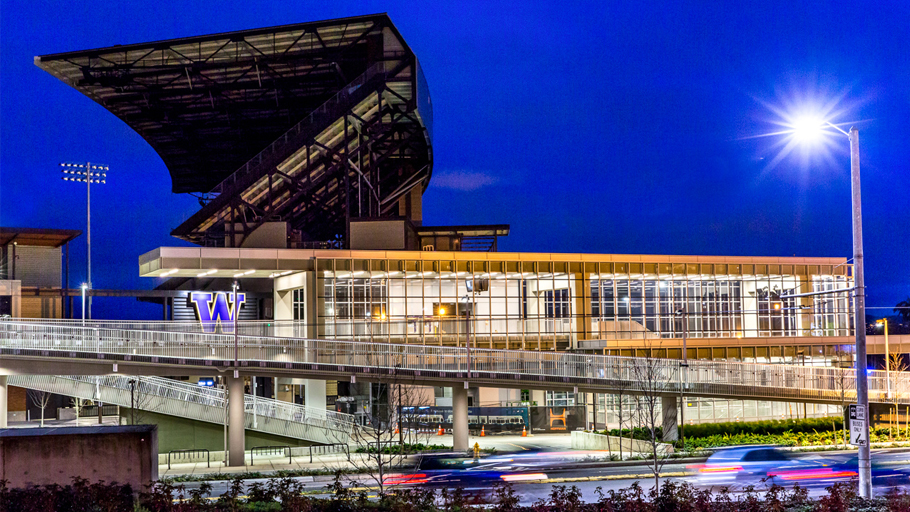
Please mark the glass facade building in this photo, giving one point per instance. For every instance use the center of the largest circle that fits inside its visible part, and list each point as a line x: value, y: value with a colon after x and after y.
x: 560, y: 305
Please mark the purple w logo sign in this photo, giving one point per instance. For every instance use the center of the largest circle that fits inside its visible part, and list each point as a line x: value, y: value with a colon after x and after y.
x: 214, y: 308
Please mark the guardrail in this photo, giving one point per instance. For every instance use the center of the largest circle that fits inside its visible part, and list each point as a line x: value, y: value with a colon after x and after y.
x: 609, y: 373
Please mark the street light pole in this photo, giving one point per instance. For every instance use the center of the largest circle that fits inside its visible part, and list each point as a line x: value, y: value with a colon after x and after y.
x: 862, y: 384
x: 884, y: 322
x: 683, y: 368
x: 84, y: 286
x: 234, y: 287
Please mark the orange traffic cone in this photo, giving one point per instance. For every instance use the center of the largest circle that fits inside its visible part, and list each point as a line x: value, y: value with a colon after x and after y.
x: 482, y: 433
x: 440, y: 432
x: 396, y: 428
x: 524, y: 432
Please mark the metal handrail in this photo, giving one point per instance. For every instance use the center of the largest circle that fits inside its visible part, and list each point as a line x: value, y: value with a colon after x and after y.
x: 292, y: 420
x: 704, y: 378
x: 495, y: 327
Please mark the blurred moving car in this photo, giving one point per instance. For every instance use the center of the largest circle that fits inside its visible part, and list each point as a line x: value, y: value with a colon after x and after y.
x: 736, y: 468
x: 761, y: 466
x: 457, y: 471
x: 884, y: 474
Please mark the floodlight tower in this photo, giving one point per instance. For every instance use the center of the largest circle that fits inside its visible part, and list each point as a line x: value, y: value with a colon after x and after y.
x: 87, y: 173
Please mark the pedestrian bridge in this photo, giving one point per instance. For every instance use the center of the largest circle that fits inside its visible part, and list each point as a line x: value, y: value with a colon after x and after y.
x: 60, y: 348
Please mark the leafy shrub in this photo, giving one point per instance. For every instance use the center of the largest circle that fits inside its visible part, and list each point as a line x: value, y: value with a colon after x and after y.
x: 801, y: 425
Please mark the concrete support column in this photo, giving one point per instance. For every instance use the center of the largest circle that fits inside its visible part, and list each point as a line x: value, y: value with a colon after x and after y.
x: 459, y: 418
x: 3, y: 402
x: 314, y: 394
x: 236, y: 421
x: 671, y: 432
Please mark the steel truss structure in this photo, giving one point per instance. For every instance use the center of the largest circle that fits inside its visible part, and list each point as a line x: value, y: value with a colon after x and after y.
x: 310, y: 124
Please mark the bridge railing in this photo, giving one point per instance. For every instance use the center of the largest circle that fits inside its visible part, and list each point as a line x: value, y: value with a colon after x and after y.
x: 702, y: 377
x: 168, y: 396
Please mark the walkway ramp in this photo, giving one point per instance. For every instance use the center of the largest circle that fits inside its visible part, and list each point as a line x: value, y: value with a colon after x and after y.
x: 177, y: 398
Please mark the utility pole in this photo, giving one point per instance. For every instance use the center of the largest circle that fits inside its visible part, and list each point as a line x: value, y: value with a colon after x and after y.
x: 87, y: 173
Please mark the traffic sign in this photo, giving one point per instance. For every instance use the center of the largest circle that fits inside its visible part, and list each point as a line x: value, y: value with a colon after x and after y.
x: 858, y: 435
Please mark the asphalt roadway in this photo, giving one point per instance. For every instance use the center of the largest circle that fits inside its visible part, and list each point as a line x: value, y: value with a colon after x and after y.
x: 587, y: 477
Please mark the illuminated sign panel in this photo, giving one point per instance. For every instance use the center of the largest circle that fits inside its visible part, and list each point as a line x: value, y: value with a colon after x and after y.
x: 213, y: 308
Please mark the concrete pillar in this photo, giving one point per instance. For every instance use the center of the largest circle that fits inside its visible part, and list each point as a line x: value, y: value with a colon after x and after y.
x: 459, y: 419
x: 671, y: 432
x: 314, y: 394
x: 3, y: 402
x: 236, y: 422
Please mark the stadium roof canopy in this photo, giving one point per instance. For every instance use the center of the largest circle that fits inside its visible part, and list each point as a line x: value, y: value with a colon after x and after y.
x: 226, y: 111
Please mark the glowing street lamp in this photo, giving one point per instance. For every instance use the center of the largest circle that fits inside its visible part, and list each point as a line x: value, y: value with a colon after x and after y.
x: 808, y: 129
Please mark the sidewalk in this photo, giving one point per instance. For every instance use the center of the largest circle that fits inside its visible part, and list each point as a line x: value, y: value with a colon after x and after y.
x: 271, y: 463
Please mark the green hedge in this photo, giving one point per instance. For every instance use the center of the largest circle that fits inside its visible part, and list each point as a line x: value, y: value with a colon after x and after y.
x: 814, y: 438
x: 766, y: 427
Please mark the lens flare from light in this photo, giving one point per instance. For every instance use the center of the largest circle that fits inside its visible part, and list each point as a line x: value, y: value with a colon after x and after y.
x: 808, y: 129
x: 802, y: 135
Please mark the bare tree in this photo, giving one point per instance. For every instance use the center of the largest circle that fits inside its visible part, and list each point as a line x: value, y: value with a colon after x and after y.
x: 140, y: 401
x: 78, y: 406
x: 653, y: 377
x: 841, y: 378
x: 387, y: 440
x: 39, y: 399
x: 623, y: 385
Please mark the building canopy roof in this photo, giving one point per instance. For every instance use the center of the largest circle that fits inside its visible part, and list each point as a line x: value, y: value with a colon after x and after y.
x: 37, y: 236
x: 208, y: 104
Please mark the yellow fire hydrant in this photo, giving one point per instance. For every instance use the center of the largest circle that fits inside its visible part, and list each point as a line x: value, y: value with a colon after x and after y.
x: 476, y: 450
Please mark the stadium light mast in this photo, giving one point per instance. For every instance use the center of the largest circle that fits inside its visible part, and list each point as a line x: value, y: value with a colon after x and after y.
x: 87, y: 173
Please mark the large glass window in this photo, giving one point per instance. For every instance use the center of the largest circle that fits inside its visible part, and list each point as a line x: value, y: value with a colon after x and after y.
x: 558, y: 303
x: 647, y: 308
x: 299, y: 304
x: 832, y: 311
x: 356, y: 298
x: 560, y: 398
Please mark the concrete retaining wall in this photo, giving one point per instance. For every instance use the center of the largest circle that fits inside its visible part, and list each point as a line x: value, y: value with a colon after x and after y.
x: 589, y: 441
x: 42, y: 456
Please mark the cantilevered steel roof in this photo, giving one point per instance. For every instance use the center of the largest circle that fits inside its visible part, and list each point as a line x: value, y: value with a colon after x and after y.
x: 208, y: 104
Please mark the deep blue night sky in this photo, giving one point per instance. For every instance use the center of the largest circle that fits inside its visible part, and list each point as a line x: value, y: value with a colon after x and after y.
x: 615, y: 127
